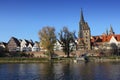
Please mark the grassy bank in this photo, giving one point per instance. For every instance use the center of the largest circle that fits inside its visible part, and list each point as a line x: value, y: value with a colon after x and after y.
x: 37, y: 60
x: 30, y: 60
x: 105, y: 58
x: 19, y: 59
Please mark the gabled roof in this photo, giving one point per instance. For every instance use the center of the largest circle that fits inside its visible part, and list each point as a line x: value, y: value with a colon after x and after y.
x: 28, y: 42
x: 36, y: 44
x: 104, y: 38
x: 117, y: 37
x: 3, y: 43
x: 16, y: 41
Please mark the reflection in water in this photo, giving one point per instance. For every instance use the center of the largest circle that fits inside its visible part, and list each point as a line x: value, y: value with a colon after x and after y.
x: 61, y: 71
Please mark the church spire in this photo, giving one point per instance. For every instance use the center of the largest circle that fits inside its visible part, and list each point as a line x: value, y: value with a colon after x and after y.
x: 111, y: 30
x: 106, y: 31
x: 82, y: 17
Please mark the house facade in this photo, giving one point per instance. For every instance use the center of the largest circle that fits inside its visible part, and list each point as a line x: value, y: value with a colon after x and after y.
x: 22, y: 45
x: 13, y: 44
x: 106, y: 42
x: 3, y: 46
x: 26, y: 46
x: 36, y: 46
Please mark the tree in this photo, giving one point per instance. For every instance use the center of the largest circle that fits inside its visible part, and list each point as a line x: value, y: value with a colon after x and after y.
x: 66, y: 39
x: 48, y: 39
x: 114, y: 49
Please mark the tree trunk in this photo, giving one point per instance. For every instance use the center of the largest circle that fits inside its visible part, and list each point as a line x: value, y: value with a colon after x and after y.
x: 68, y: 54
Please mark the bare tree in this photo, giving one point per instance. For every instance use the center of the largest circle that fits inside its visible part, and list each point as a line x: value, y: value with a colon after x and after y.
x: 48, y: 39
x: 66, y: 38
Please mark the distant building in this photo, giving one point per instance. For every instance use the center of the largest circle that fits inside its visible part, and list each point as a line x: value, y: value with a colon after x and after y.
x: 36, y: 46
x: 3, y: 46
x: 22, y: 45
x: 58, y: 46
x: 26, y: 46
x: 13, y: 44
x: 84, y: 42
x: 105, y: 42
x: 84, y: 34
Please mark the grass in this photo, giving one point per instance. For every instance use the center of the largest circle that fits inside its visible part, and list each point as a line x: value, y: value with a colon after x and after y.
x: 27, y: 60
x: 105, y: 57
x: 23, y: 59
x: 61, y: 59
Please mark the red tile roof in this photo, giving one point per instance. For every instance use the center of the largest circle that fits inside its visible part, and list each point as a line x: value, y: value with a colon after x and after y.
x: 104, y: 38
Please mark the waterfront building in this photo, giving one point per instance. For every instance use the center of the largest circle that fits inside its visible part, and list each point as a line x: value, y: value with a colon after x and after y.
x: 84, y: 34
x: 13, y: 44
x: 3, y: 46
x: 36, y: 46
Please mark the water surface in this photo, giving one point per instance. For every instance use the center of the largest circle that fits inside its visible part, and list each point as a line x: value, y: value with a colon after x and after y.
x: 61, y: 71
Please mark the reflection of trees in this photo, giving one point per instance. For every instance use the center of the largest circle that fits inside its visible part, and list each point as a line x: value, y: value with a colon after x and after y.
x: 67, y: 72
x: 47, y: 73
x: 50, y: 71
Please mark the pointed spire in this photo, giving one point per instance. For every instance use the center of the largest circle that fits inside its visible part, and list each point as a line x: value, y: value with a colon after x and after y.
x: 82, y: 17
x: 106, y: 31
x: 111, y: 30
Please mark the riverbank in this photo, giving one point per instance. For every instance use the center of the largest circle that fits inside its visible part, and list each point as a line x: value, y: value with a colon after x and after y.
x: 39, y: 60
x: 33, y: 60
x: 105, y: 58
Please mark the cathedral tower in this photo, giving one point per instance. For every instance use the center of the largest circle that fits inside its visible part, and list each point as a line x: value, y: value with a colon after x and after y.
x: 84, y: 32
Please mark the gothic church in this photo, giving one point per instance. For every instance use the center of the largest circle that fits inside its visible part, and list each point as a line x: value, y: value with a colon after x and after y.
x: 84, y: 33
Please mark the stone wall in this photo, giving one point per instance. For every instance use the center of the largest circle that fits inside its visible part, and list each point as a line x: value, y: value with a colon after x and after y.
x: 62, y: 54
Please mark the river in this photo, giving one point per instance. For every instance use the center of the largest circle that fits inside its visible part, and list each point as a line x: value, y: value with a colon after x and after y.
x: 60, y: 71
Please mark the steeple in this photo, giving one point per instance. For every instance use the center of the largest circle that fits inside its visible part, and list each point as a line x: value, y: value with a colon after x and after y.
x: 82, y: 17
x: 84, y: 32
x: 111, y: 30
x: 106, y: 31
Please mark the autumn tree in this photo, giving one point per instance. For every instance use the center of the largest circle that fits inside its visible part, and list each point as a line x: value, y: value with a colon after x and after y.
x: 48, y: 39
x: 66, y: 39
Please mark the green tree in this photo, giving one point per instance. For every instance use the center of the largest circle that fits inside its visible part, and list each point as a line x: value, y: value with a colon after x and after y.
x: 48, y: 39
x: 66, y: 38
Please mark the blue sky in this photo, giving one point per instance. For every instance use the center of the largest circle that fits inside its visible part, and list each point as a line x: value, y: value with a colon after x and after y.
x: 24, y: 18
